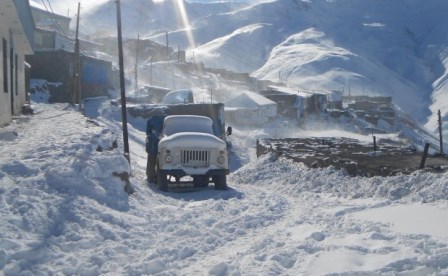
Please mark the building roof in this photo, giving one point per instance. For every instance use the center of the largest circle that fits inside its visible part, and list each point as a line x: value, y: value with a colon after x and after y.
x: 249, y: 99
x: 35, y: 5
x: 300, y: 92
x: 282, y: 89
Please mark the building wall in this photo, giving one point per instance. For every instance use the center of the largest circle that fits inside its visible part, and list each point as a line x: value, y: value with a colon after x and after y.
x: 44, y: 39
x: 5, y: 97
x: 13, y: 34
x: 251, y: 116
x: 95, y: 77
x: 52, y: 40
x: 95, y: 74
x: 51, y: 21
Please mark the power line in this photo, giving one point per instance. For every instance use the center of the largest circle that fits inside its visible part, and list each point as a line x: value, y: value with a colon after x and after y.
x: 58, y: 26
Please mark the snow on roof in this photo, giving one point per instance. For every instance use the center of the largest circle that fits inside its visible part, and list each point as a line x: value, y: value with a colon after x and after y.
x: 304, y: 94
x: 37, y: 5
x: 300, y: 92
x: 46, y: 9
x: 282, y: 89
x: 249, y: 99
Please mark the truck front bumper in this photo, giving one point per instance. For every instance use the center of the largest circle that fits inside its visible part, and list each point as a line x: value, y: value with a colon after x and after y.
x: 182, y: 173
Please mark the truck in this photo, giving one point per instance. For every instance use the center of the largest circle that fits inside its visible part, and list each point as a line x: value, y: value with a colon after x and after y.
x: 206, y: 141
x: 189, y: 147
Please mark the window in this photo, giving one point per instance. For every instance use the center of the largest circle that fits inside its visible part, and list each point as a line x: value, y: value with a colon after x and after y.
x: 11, y: 66
x: 16, y: 61
x: 5, y: 66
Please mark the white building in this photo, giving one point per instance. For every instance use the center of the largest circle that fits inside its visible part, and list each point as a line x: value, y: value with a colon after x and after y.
x: 16, y: 35
x: 250, y: 108
x: 52, y: 30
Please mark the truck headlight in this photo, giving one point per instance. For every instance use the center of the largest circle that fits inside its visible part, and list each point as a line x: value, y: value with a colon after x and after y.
x: 168, y: 159
x: 221, y: 159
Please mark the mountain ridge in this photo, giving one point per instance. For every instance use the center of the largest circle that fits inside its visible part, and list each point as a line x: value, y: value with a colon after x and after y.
x: 394, y: 48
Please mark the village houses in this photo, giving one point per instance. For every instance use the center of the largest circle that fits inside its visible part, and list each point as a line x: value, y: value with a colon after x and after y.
x: 55, y: 46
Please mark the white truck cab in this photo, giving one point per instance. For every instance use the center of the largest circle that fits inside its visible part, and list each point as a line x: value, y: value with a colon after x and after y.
x: 188, y: 147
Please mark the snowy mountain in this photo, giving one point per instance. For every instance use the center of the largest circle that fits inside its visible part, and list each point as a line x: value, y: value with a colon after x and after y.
x: 395, y: 48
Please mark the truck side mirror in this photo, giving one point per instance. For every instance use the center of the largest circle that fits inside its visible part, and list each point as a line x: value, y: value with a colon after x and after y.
x: 229, y: 131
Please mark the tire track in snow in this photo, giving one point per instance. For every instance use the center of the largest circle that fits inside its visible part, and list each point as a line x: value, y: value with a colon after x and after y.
x: 271, y: 256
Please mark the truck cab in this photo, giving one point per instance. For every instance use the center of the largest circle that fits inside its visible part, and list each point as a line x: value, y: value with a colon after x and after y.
x: 189, y: 147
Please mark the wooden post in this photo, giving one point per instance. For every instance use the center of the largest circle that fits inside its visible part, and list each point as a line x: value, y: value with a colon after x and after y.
x: 425, y: 154
x: 136, y: 64
x: 76, y: 74
x: 122, y: 85
x: 150, y: 73
x: 167, y: 46
x: 440, y: 133
x: 374, y: 143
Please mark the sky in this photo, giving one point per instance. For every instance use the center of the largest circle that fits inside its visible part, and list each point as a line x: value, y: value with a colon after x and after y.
x: 69, y: 7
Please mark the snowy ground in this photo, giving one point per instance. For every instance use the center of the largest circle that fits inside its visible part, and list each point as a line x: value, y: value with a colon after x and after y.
x: 64, y: 212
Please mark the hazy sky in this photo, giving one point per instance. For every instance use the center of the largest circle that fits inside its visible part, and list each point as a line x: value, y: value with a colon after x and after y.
x: 69, y: 7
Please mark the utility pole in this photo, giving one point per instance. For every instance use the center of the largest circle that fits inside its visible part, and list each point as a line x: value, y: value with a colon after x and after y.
x: 167, y: 45
x: 76, y: 74
x: 136, y: 64
x: 150, y: 73
x: 122, y: 85
x: 349, y: 95
x: 440, y: 133
x: 425, y: 155
x: 173, y: 78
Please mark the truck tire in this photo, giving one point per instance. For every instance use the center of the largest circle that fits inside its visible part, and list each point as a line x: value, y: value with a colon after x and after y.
x: 220, y: 182
x: 162, y: 182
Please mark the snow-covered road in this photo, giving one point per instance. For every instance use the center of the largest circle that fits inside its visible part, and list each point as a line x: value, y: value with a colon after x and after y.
x: 62, y: 211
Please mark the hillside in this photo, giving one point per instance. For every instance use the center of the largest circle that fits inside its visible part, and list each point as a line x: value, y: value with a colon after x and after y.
x: 396, y: 48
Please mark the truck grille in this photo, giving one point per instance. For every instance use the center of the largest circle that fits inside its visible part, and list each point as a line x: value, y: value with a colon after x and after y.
x: 195, y: 158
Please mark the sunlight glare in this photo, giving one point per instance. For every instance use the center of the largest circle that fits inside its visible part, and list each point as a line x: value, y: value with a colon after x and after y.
x: 185, y: 22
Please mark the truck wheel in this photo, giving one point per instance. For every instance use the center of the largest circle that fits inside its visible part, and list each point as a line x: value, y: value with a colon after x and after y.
x: 220, y: 182
x: 162, y: 182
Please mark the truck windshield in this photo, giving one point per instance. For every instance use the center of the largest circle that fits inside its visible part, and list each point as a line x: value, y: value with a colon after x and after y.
x: 187, y: 124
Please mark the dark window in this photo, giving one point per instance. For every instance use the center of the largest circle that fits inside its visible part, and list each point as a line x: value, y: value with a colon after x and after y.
x: 16, y: 61
x: 11, y: 65
x: 5, y: 66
